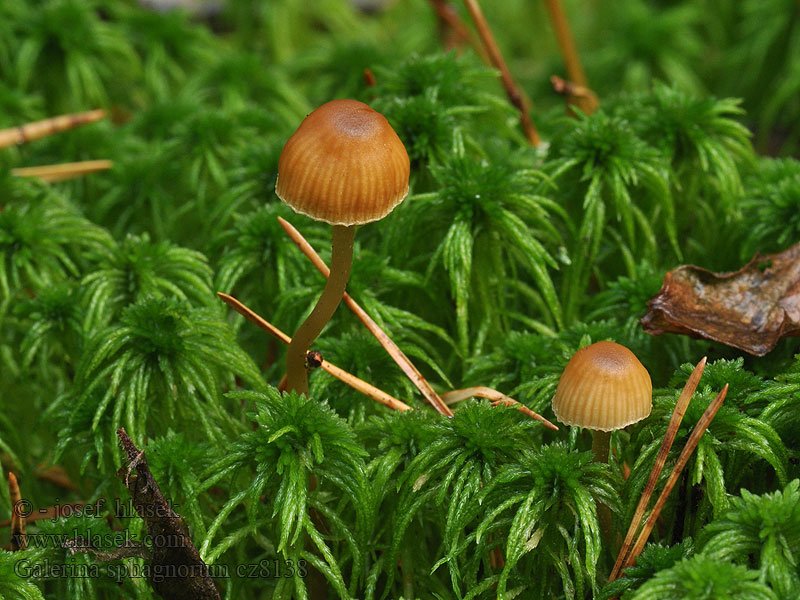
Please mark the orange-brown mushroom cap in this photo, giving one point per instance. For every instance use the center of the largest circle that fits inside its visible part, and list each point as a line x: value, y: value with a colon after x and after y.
x: 605, y: 387
x: 344, y: 165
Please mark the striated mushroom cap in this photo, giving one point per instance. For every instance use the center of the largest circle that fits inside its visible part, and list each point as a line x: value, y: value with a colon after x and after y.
x: 605, y: 387
x: 344, y: 165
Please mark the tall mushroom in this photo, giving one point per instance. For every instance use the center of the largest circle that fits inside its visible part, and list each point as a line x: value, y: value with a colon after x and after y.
x: 604, y: 387
x: 345, y: 166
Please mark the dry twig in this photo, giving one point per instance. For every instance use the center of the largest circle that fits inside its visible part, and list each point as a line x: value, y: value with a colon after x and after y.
x: 455, y: 30
x: 19, y: 540
x: 340, y: 374
x: 62, y: 171
x: 585, y: 98
x: 177, y: 571
x: 496, y: 398
x: 694, y: 439
x: 515, y: 94
x: 56, y: 475
x: 40, y: 129
x: 661, y: 458
x: 586, y: 101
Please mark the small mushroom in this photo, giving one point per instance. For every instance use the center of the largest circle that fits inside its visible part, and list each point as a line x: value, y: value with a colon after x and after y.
x: 604, y: 387
x: 345, y: 166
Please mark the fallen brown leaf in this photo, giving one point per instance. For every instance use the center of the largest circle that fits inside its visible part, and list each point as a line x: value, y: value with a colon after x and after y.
x: 749, y: 309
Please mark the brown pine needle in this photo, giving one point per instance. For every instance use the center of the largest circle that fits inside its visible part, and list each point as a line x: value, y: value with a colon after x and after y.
x: 572, y: 60
x: 254, y: 317
x: 496, y: 398
x: 661, y: 459
x: 56, y: 475
x: 40, y: 129
x: 60, y: 172
x: 515, y: 94
x: 458, y: 31
x: 694, y: 439
x: 19, y: 511
x: 354, y: 382
x: 585, y: 98
x: 399, y: 357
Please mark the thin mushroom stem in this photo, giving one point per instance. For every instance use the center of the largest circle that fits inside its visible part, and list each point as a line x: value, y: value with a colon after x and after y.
x: 51, y: 512
x: 601, y: 440
x: 394, y: 351
x: 341, y: 261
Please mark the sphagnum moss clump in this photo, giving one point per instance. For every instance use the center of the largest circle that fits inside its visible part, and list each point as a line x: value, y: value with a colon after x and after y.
x: 504, y: 261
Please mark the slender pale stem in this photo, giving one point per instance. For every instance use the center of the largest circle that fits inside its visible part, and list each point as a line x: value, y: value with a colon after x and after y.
x: 601, y: 440
x: 600, y: 443
x: 394, y: 351
x: 581, y: 95
x: 408, y: 573
x: 341, y: 261
x: 50, y: 512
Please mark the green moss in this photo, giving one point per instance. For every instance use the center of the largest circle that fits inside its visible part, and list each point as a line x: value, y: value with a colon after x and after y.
x: 502, y: 262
